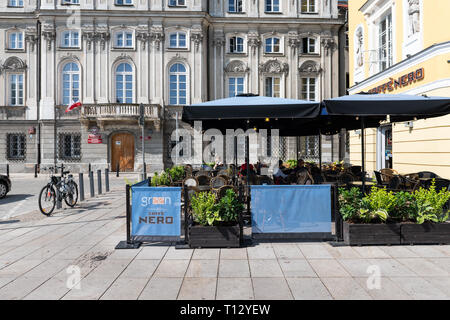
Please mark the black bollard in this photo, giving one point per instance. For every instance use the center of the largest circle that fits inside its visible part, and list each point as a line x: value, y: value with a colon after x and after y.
x: 91, y: 183
x: 90, y: 169
x: 107, y: 180
x: 35, y: 170
x: 81, y: 184
x: 99, y: 181
x: 117, y: 169
x: 7, y: 170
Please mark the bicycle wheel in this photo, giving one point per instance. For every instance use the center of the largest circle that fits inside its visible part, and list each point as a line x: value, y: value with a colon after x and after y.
x: 71, y: 197
x: 47, y: 200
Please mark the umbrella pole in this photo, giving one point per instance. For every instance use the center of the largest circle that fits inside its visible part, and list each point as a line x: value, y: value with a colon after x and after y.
x: 320, y: 151
x: 363, y: 167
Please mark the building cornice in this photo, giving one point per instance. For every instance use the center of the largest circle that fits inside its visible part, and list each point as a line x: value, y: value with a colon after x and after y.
x: 432, y: 51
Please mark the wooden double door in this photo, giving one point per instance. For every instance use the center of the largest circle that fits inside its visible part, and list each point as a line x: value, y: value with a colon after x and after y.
x: 122, y: 151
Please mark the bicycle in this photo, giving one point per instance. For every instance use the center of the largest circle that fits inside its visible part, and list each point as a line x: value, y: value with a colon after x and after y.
x: 57, y: 189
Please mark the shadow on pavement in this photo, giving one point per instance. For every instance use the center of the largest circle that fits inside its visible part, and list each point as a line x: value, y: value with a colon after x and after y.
x: 14, y: 198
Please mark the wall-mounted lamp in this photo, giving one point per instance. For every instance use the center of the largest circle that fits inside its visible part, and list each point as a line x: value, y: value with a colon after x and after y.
x: 409, y: 124
x: 358, y: 132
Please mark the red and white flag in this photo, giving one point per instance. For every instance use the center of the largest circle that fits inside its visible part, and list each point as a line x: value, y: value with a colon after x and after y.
x: 73, y: 106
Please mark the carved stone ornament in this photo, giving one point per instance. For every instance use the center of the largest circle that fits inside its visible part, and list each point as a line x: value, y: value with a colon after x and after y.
x: 122, y: 57
x: 253, y: 41
x: 31, y: 37
x: 157, y: 36
x: 13, y: 64
x: 274, y: 66
x: 88, y: 35
x: 219, y: 42
x: 48, y: 33
x: 70, y: 57
x: 237, y: 66
x: 310, y: 67
x: 414, y: 16
x: 329, y: 45
x: 197, y: 37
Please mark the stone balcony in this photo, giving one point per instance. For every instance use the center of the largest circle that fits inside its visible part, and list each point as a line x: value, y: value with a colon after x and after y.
x: 13, y: 112
x: 103, y: 115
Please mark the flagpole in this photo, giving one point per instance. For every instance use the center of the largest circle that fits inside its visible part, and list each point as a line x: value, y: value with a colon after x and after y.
x: 54, y: 137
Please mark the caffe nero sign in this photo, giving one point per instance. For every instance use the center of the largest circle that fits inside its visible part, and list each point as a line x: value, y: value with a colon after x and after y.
x: 400, y: 82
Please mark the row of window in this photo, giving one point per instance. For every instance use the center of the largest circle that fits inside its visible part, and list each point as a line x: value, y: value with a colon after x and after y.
x: 124, y: 84
x: 177, y: 40
x: 69, y: 146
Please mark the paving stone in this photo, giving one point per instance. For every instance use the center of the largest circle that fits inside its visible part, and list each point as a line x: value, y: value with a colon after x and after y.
x: 234, y: 289
x: 48, y: 268
x: 140, y: 269
x: 53, y: 289
x: 171, y: 269
x: 345, y: 289
x: 124, y: 289
x: 234, y: 269
x: 391, y: 268
x: 202, y: 269
x: 19, y: 288
x: 110, y: 268
x: 443, y: 263
x: 161, y: 289
x: 233, y: 253
x: 308, y: 289
x: 445, y: 249
x: 265, y: 268
x: 370, y: 252
x: 343, y: 253
x: 198, y: 289
x: 19, y: 267
x: 328, y: 268
x: 296, y: 268
x: 356, y: 267
x: 202, y: 254
x: 399, y: 252
x: 72, y: 252
x: 271, y: 289
x: 261, y: 251
x: 441, y: 283
x: 419, y: 288
x: 423, y: 267
x: 287, y: 251
x: 427, y: 252
x: 314, y: 251
x: 388, y: 290
x: 92, y: 288
x: 178, y: 254
x: 124, y: 254
x: 4, y: 280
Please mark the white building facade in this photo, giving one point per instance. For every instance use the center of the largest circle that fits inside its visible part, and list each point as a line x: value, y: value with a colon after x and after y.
x: 113, y: 55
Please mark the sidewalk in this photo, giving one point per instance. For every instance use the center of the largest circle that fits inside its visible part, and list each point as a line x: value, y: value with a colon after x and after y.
x: 40, y: 257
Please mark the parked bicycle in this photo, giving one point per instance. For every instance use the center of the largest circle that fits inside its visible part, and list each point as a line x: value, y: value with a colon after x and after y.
x: 57, y: 189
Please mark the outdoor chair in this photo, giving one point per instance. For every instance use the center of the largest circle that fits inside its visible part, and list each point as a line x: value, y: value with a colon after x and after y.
x: 303, y: 177
x: 394, y: 183
x: 380, y: 182
x: 227, y: 178
x: 264, y: 180
x: 201, y: 173
x: 203, y: 180
x: 427, y: 174
x: 188, y: 170
x: 218, y: 182
x: 190, y: 182
x: 387, y: 174
x: 222, y: 191
x: 222, y: 172
x: 441, y: 183
x: 345, y: 179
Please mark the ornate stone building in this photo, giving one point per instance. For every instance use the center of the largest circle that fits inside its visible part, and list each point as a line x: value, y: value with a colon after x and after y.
x: 113, y: 55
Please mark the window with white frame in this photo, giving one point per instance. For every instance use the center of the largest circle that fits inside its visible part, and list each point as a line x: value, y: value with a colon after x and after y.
x: 272, y: 5
x: 15, y: 3
x: 124, y: 2
x: 16, y: 89
x: 177, y: 84
x: 15, y: 40
x: 272, y: 45
x: 123, y: 39
x: 235, y: 86
x: 236, y: 45
x: 124, y: 83
x: 309, y: 89
x: 385, y: 55
x: 177, y: 40
x: 272, y: 87
x: 70, y: 146
x: 16, y: 146
x: 70, y: 83
x: 309, y: 45
x: 70, y: 39
x: 70, y: 1
x: 234, y: 6
x: 177, y: 3
x: 308, y: 6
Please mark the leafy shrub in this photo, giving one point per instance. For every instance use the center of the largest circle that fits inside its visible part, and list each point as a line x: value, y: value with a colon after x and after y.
x: 349, y: 203
x: 162, y: 179
x: 405, y: 206
x: 380, y: 199
x: 430, y: 204
x: 207, y: 211
x: 291, y: 163
x: 176, y: 172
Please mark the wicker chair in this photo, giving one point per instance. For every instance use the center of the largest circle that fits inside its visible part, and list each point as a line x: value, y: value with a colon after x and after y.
x: 188, y: 170
x: 264, y: 180
x: 427, y: 174
x: 218, y: 182
x: 202, y: 173
x: 387, y: 174
x: 222, y: 191
x: 227, y: 178
x: 203, y: 180
x: 303, y: 177
x: 190, y: 182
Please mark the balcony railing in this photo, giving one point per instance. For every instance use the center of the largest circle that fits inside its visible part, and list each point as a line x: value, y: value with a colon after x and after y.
x: 13, y: 112
x: 118, y: 111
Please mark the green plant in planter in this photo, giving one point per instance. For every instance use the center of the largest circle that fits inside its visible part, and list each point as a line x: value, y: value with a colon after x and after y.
x: 380, y: 199
x: 349, y: 203
x: 367, y: 213
x: 229, y: 207
x: 162, y: 179
x: 204, y: 208
x: 292, y: 163
x: 430, y: 204
x: 176, y: 172
x: 405, y: 206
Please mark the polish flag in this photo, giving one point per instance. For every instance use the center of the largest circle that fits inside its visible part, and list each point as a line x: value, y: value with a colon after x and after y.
x: 73, y: 106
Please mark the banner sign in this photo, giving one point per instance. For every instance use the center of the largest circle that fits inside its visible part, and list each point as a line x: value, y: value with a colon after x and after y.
x: 291, y: 208
x: 155, y: 212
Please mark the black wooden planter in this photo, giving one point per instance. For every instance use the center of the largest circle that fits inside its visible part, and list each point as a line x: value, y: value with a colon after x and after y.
x: 214, y: 236
x: 426, y: 233
x: 371, y: 233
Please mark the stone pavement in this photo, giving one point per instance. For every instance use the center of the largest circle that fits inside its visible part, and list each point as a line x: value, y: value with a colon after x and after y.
x: 71, y: 256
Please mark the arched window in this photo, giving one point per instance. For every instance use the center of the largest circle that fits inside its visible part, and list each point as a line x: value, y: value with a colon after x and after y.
x: 272, y: 45
x: 70, y: 83
x: 124, y: 83
x: 177, y: 86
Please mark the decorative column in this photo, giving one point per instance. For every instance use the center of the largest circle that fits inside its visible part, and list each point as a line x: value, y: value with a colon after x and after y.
x: 197, y: 65
x: 218, y: 58
x: 157, y: 65
x: 31, y: 40
x: 102, y: 37
x: 89, y: 81
x: 293, y: 43
x: 254, y: 42
x: 143, y: 36
x: 49, y: 72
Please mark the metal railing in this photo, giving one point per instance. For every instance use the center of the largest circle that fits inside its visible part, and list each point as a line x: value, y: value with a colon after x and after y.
x: 13, y: 112
x: 118, y: 110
